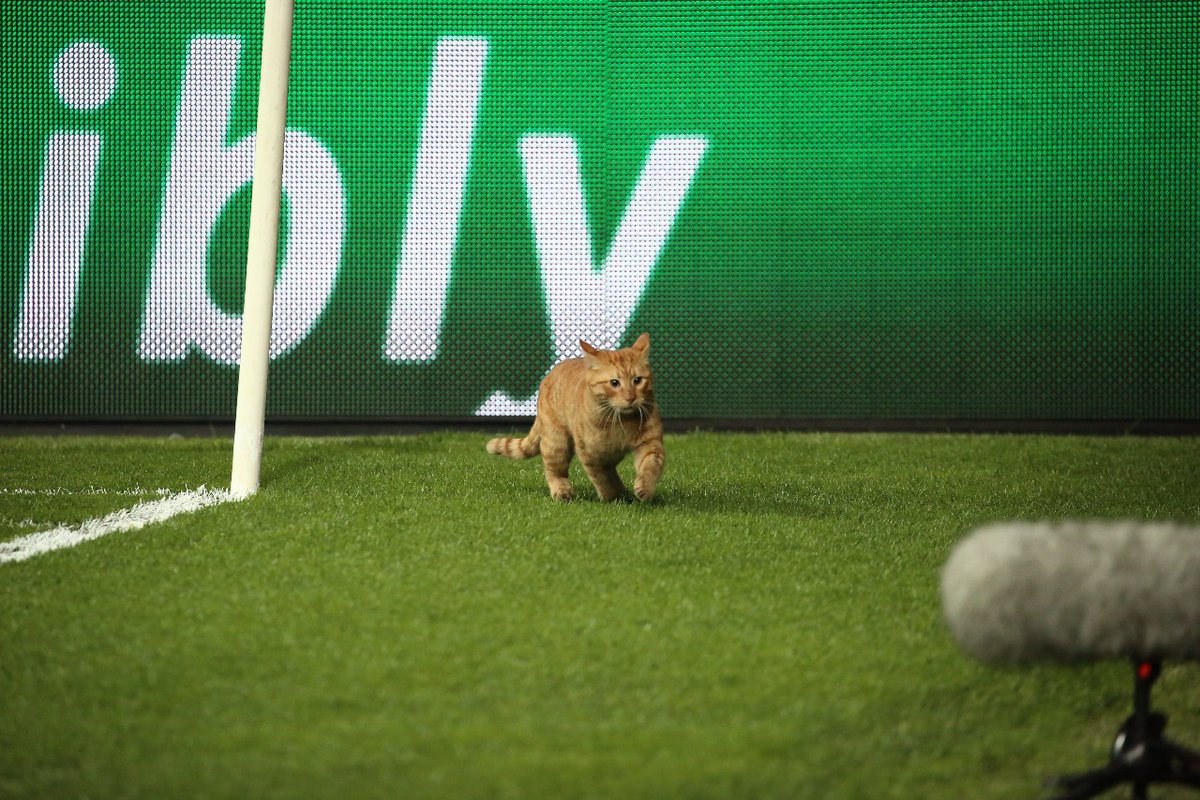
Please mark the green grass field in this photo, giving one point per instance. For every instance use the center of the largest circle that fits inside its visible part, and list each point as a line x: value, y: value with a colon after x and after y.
x: 408, y: 617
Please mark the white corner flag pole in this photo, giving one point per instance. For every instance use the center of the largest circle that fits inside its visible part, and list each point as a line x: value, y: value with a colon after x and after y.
x: 261, y: 254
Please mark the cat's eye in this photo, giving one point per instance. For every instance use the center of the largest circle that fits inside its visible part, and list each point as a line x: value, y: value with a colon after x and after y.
x: 615, y: 382
x: 637, y: 379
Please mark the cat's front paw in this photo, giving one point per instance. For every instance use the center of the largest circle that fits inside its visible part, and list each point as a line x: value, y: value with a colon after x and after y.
x: 643, y: 491
x: 566, y: 495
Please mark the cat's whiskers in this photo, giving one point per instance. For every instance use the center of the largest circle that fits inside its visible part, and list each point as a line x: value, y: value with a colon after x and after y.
x: 609, y: 413
x: 615, y: 417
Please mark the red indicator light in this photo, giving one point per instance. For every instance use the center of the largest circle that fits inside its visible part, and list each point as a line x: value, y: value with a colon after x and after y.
x: 1145, y: 669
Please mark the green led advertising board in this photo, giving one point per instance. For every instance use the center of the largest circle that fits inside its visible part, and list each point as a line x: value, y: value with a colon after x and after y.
x: 837, y: 209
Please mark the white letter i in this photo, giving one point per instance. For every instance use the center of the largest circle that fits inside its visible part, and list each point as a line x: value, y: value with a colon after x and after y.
x: 85, y: 77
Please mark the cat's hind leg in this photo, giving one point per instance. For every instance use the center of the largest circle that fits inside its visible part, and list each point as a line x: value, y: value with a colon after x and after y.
x: 556, y: 458
x: 606, y: 480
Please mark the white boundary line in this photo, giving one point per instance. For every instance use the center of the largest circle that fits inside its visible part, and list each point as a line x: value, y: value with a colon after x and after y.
x: 91, y: 490
x: 126, y: 519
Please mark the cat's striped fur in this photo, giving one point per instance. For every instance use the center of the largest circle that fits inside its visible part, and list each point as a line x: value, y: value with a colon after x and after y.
x: 599, y: 407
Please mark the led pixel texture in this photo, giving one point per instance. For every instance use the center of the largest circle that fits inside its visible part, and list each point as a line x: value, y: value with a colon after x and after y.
x: 880, y: 208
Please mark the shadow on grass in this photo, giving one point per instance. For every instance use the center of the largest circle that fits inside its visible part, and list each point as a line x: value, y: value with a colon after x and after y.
x: 781, y: 497
x: 780, y: 500
x: 785, y: 496
x: 298, y: 462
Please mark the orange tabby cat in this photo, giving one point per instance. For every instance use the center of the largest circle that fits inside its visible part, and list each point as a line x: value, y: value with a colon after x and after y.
x: 598, y: 407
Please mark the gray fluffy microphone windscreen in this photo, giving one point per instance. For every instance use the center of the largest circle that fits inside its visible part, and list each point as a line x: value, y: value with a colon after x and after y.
x: 1016, y: 592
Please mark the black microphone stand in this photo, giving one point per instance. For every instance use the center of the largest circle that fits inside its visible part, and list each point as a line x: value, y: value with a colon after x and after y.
x: 1141, y: 755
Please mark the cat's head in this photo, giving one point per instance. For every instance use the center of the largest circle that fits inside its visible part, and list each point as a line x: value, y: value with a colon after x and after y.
x: 621, y: 380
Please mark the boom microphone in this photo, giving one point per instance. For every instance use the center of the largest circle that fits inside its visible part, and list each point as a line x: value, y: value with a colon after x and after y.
x: 1016, y: 592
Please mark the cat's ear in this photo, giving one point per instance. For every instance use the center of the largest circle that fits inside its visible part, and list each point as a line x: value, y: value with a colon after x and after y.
x: 642, y: 345
x: 591, y: 354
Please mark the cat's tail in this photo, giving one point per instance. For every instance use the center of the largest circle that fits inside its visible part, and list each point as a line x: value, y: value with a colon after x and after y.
x: 515, y: 447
